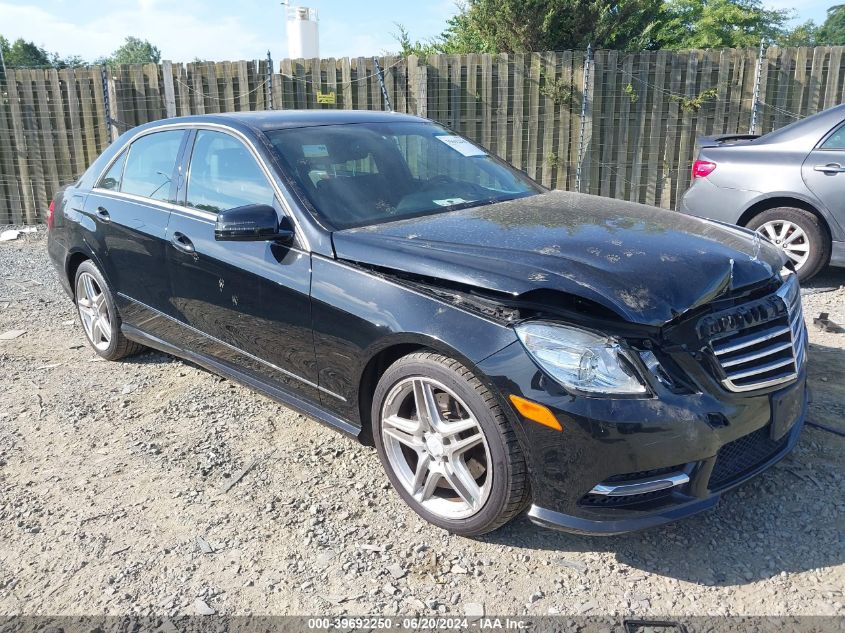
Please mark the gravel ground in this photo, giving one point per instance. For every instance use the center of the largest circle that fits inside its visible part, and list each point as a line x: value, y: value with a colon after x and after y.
x: 119, y: 494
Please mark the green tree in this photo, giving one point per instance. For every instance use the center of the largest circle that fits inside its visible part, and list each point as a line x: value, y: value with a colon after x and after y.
x: 540, y: 25
x: 832, y: 32
x: 719, y: 24
x: 21, y: 53
x: 135, y: 51
x: 490, y: 26
x: 507, y: 26
x: 806, y: 34
x: 71, y: 61
x: 407, y: 46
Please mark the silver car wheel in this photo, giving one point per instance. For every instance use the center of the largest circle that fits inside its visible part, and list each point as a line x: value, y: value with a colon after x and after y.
x: 436, y: 448
x: 790, y: 237
x: 93, y: 311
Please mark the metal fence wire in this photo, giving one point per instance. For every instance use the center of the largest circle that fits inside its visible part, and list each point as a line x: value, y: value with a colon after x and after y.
x: 604, y: 122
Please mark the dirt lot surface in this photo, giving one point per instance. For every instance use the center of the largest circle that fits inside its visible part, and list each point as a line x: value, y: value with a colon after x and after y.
x: 117, y: 497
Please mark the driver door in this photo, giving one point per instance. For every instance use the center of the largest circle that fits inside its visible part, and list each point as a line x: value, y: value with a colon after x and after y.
x: 245, y: 303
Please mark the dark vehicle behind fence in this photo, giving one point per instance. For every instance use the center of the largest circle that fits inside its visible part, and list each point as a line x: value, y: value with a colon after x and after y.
x: 788, y: 185
x: 610, y: 366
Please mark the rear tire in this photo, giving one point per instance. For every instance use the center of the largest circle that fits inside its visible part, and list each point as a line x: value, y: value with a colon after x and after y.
x: 98, y: 314
x: 800, y: 234
x: 461, y: 469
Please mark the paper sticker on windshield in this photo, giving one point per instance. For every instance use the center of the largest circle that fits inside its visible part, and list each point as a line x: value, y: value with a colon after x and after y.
x: 315, y: 151
x: 462, y: 145
x: 448, y: 202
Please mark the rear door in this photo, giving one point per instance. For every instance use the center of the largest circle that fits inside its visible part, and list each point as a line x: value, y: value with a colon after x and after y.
x: 131, y: 205
x: 248, y: 301
x: 824, y: 173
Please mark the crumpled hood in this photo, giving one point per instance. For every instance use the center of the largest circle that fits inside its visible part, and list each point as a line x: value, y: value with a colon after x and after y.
x: 646, y: 264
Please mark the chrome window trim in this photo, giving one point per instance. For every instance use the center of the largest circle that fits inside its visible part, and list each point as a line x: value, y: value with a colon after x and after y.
x: 196, y: 125
x: 203, y: 215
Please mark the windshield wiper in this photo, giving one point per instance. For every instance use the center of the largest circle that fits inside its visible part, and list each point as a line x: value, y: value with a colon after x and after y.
x: 484, y: 201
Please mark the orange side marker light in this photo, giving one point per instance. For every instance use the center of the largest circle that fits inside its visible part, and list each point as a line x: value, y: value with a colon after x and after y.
x: 536, y: 412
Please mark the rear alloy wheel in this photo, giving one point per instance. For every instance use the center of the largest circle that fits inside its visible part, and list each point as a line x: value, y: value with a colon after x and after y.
x: 98, y: 314
x: 799, y: 233
x: 93, y: 311
x: 446, y: 445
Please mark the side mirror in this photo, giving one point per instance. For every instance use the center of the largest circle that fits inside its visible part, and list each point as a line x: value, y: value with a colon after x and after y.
x: 250, y: 223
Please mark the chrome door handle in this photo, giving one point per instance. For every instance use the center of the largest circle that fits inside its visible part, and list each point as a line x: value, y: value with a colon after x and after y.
x: 181, y: 242
x: 103, y: 214
x: 830, y: 168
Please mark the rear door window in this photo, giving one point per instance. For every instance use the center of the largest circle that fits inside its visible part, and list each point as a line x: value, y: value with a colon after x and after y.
x: 224, y: 174
x: 150, y: 165
x: 836, y: 140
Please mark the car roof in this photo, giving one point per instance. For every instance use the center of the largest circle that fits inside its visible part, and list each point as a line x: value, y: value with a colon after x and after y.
x: 280, y: 119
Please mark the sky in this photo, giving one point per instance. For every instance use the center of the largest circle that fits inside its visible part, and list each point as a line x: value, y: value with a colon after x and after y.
x: 240, y: 29
x: 216, y: 29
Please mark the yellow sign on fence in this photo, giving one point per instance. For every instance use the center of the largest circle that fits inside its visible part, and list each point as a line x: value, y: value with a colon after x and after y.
x: 326, y: 97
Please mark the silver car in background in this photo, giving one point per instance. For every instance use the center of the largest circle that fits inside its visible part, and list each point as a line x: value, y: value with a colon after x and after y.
x: 789, y: 185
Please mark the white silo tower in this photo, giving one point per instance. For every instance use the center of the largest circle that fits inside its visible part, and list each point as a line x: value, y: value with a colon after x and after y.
x: 303, y: 33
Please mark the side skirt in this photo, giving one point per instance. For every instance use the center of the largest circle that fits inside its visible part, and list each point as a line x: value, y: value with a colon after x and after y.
x: 271, y: 391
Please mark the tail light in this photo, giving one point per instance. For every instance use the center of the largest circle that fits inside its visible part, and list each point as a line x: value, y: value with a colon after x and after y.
x: 51, y: 210
x: 702, y: 169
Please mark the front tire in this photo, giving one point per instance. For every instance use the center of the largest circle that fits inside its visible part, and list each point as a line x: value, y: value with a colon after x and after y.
x: 98, y: 314
x: 446, y: 445
x: 800, y: 234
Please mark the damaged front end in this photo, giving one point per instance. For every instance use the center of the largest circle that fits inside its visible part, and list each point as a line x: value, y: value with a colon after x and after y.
x: 648, y: 351
x: 723, y: 398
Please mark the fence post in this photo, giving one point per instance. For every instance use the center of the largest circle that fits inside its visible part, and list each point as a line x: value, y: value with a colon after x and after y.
x: 380, y: 75
x: 269, y: 82
x: 416, y: 78
x: 585, y: 100
x: 169, y: 92
x: 104, y: 78
x: 755, y: 106
x: 422, y: 93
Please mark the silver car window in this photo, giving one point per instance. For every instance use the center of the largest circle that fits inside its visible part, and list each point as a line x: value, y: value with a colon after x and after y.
x: 836, y: 140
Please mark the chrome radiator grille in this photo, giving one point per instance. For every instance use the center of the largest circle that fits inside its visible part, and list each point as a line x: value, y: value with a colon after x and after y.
x: 768, y: 351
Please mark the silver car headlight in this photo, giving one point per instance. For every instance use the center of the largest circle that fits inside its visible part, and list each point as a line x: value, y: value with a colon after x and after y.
x: 580, y: 360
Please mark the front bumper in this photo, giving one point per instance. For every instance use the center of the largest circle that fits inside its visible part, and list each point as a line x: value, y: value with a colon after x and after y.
x: 707, y: 435
x: 682, y: 506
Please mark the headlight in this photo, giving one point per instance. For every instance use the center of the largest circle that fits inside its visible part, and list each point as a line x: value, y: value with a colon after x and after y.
x: 578, y: 359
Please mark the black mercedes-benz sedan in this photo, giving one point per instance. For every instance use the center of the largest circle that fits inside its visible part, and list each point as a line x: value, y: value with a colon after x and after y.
x: 611, y: 365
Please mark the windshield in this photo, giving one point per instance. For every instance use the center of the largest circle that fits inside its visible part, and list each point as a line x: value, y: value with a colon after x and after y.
x: 369, y: 173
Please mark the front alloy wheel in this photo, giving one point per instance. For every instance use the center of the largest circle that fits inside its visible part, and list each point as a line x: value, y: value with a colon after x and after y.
x: 447, y: 446
x: 436, y: 448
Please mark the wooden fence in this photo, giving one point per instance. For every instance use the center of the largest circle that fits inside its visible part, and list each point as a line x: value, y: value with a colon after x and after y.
x: 614, y: 124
